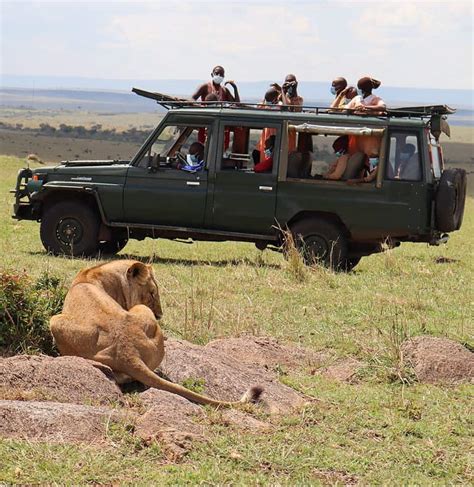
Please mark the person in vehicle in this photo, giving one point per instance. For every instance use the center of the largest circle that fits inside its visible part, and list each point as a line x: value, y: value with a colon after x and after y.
x: 338, y: 85
x: 337, y: 168
x: 408, y: 169
x: 194, y: 159
x: 371, y: 172
x: 366, y: 102
x: 215, y: 86
x: 343, y: 98
x: 266, y: 164
x: 289, y: 93
x: 271, y: 99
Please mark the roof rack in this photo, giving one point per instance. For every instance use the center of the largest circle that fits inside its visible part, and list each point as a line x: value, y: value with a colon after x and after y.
x: 171, y: 102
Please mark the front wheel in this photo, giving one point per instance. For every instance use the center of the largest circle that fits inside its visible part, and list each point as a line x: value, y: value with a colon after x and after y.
x: 320, y: 241
x: 70, y: 228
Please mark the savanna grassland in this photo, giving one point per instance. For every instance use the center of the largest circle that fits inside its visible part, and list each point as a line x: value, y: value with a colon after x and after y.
x: 386, y: 428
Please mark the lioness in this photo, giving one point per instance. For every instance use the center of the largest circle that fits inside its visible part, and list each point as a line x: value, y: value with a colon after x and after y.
x: 110, y: 315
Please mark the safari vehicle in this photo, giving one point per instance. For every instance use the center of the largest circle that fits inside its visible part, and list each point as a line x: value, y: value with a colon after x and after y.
x: 86, y: 207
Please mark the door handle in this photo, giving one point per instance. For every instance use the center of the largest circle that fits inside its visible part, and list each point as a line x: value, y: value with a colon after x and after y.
x: 265, y: 188
x: 193, y: 183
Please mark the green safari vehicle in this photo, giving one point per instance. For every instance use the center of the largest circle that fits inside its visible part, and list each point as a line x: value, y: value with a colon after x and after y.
x: 90, y: 207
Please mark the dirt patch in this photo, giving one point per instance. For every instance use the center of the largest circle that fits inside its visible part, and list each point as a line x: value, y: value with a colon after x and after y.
x: 344, y: 370
x: 225, y: 377
x: 268, y: 352
x: 439, y: 360
x: 55, y: 422
x: 335, y: 477
x: 60, y: 379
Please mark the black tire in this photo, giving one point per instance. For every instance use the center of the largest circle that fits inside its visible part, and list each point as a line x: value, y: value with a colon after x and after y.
x: 70, y: 228
x: 450, y: 200
x: 113, y: 246
x: 350, y: 263
x: 320, y: 241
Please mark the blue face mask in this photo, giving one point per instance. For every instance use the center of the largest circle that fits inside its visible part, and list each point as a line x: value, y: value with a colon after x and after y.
x: 340, y: 153
x: 374, y: 162
x: 404, y: 156
x: 360, y: 92
x: 333, y: 90
x: 192, y: 159
x: 268, y: 152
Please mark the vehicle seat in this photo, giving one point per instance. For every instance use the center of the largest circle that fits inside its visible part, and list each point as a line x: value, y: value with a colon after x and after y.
x: 354, y: 166
x: 299, y: 165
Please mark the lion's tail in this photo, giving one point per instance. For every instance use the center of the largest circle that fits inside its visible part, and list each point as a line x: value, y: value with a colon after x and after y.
x: 139, y: 371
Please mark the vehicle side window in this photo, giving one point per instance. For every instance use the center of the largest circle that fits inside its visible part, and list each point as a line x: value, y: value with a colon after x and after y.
x: 404, y: 162
x: 172, y: 144
x: 248, y: 149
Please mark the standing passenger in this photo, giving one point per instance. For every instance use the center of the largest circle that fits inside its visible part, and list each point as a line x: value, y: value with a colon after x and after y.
x: 338, y: 87
x: 366, y: 102
x: 215, y: 86
x: 289, y: 93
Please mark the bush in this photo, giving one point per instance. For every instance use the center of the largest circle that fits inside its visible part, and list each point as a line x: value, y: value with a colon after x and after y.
x: 25, y: 309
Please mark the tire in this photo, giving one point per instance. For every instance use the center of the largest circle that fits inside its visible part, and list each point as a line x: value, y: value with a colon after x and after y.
x: 70, y: 228
x: 350, y: 263
x: 320, y: 241
x: 112, y: 247
x: 450, y: 200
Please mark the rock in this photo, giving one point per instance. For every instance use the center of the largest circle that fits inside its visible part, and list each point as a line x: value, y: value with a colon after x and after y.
x: 244, y: 421
x: 55, y: 422
x: 225, y: 377
x: 167, y: 410
x: 60, y: 379
x: 439, y: 360
x: 344, y: 370
x: 172, y: 421
x: 267, y: 352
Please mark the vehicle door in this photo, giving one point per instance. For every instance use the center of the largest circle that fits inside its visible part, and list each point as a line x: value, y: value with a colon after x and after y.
x: 407, y: 182
x: 158, y: 191
x: 245, y: 200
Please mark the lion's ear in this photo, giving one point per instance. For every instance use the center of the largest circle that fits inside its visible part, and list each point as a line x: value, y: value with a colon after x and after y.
x: 138, y: 272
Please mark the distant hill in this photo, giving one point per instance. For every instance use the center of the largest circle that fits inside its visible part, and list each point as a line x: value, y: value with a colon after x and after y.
x: 314, y: 91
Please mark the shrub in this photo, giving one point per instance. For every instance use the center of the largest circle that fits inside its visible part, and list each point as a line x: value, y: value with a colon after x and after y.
x: 26, y: 306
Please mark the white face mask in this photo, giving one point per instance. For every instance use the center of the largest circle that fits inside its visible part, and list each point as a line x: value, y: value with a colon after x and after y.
x: 217, y: 79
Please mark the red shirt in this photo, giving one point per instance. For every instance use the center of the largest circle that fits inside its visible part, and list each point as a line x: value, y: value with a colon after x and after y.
x: 265, y: 165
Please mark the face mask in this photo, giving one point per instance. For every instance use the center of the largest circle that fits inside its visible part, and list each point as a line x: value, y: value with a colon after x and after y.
x: 192, y: 159
x: 360, y: 92
x: 217, y: 79
x: 373, y: 161
x: 404, y: 156
x: 333, y: 90
x: 268, y: 152
x: 340, y: 153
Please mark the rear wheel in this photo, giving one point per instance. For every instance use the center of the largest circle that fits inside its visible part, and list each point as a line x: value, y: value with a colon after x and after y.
x: 70, y: 228
x: 320, y: 241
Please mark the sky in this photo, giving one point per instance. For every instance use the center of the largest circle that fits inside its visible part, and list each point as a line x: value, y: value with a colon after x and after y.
x: 417, y: 43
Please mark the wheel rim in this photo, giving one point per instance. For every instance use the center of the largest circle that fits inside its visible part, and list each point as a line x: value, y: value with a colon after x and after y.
x: 69, y: 231
x: 315, y: 248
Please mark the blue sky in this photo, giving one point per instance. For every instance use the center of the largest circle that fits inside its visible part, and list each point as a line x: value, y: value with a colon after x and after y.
x: 420, y: 43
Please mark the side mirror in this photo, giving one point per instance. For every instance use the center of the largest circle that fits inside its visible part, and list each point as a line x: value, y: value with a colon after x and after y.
x: 154, y: 163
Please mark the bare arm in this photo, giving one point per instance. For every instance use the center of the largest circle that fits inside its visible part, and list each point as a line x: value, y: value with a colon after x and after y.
x: 235, y: 97
x: 338, y: 171
x: 201, y: 92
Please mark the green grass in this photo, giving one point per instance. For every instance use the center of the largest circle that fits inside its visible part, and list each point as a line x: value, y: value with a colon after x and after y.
x: 384, y: 429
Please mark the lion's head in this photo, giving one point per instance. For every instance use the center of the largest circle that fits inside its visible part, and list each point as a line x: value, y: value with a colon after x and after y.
x: 143, y: 288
